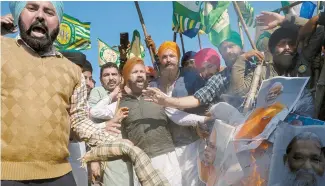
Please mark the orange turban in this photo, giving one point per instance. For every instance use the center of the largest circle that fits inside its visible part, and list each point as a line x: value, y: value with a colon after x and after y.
x: 169, y: 45
x: 130, y: 63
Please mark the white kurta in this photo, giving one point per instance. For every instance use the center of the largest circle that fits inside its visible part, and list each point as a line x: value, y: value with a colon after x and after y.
x: 77, y: 150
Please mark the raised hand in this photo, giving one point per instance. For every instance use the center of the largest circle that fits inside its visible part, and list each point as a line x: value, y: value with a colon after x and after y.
x: 269, y: 19
x: 248, y: 55
x: 7, y: 24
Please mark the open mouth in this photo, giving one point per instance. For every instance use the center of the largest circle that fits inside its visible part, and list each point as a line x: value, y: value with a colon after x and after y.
x: 38, y: 31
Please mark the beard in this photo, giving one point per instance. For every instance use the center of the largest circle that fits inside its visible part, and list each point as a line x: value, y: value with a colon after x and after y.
x: 39, y: 45
x: 138, y: 85
x: 169, y: 72
x: 294, y: 179
x: 284, y: 61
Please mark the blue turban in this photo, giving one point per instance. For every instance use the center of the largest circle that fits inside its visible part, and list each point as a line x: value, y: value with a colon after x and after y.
x: 16, y: 7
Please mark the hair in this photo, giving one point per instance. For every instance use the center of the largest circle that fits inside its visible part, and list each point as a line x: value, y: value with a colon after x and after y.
x: 277, y: 84
x: 305, y: 136
x: 108, y: 65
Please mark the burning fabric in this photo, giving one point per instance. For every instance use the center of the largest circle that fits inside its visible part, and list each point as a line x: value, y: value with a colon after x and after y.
x: 146, y: 174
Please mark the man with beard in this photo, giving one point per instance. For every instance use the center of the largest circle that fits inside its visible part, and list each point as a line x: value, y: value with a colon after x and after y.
x: 304, y: 161
x: 146, y: 123
x: 110, y: 78
x: 43, y: 96
x: 178, y: 83
x: 260, y: 117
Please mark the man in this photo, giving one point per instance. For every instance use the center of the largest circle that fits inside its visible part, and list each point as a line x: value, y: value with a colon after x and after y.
x: 188, y: 60
x: 146, y: 125
x: 304, y: 161
x: 80, y: 59
x: 34, y: 148
x: 207, y: 61
x: 260, y: 117
x: 305, y: 33
x: 110, y: 78
x: 178, y: 84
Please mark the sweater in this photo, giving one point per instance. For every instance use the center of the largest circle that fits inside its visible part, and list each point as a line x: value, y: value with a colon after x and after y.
x: 35, y: 102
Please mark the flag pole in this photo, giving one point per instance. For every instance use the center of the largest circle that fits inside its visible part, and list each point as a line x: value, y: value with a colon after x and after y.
x: 241, y: 33
x: 318, y: 6
x: 258, y: 70
x: 198, y: 36
x: 182, y: 41
x: 175, y: 37
x: 287, y: 7
x: 145, y: 34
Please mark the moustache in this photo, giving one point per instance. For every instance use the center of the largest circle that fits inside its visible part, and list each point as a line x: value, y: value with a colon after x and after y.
x: 140, y: 79
x: 39, y: 25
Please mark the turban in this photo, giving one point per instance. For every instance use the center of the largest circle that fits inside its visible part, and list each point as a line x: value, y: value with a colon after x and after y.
x: 235, y: 38
x: 169, y: 45
x: 151, y: 71
x: 16, y: 7
x: 188, y: 55
x: 130, y: 63
x: 207, y: 55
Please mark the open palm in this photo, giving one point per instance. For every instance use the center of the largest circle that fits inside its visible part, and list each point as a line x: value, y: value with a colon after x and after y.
x: 269, y: 19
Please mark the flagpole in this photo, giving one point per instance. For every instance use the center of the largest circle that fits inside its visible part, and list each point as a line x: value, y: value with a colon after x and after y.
x: 182, y: 41
x: 258, y: 70
x: 198, y: 36
x: 318, y: 6
x: 175, y: 37
x: 241, y: 33
x: 145, y: 34
x: 287, y: 7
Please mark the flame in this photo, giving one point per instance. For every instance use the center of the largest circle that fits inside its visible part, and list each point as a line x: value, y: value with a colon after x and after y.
x: 255, y: 178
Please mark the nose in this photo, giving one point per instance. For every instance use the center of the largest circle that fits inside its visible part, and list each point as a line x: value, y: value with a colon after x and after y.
x: 40, y: 15
x: 228, y: 50
x: 110, y: 77
x: 307, y: 165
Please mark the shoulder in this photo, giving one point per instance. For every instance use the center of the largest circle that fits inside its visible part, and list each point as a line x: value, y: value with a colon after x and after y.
x: 7, y: 43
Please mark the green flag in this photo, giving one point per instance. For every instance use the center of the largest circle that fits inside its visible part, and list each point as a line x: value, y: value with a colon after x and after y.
x: 107, y: 54
x: 211, y: 13
x: 136, y: 48
x: 221, y: 30
x: 186, y: 17
x: 73, y: 35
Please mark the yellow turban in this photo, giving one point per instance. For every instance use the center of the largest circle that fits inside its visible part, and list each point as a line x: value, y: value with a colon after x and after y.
x: 169, y: 45
x: 130, y: 63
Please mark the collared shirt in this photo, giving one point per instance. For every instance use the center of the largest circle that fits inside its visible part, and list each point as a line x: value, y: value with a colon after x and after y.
x: 214, y: 88
x: 51, y: 52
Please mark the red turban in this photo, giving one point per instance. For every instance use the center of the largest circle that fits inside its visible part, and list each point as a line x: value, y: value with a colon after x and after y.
x: 207, y: 55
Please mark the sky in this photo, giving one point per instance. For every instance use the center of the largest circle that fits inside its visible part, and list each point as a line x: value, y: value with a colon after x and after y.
x: 109, y: 19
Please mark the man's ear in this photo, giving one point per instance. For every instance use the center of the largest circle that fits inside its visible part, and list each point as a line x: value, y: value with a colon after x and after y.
x: 285, y: 158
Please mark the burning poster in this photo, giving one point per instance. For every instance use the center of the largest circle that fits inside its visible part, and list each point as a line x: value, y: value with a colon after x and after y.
x: 276, y: 98
x: 218, y: 163
x: 298, y: 156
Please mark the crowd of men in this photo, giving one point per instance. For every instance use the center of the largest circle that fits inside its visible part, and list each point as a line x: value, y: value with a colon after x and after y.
x: 50, y: 105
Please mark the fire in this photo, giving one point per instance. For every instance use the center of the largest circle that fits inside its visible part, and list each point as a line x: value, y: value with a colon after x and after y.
x: 255, y: 178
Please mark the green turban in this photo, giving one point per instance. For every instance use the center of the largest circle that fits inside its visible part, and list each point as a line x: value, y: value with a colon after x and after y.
x: 235, y: 38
